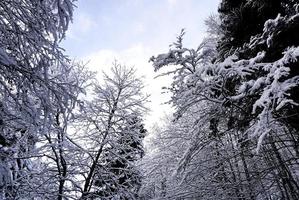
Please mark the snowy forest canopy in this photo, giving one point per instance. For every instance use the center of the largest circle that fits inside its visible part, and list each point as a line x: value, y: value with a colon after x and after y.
x: 234, y: 133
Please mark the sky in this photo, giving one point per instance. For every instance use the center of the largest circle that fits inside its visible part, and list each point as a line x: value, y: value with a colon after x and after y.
x: 131, y: 31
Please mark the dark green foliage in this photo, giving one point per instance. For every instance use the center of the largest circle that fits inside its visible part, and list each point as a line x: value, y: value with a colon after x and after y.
x: 118, y: 176
x: 243, y: 19
x: 246, y: 33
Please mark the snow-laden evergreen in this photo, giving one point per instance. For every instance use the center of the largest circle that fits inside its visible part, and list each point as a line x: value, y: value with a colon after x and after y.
x: 239, y: 94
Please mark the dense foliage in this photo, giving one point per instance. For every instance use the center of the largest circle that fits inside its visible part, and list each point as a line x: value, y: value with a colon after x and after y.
x: 58, y: 140
x: 235, y: 131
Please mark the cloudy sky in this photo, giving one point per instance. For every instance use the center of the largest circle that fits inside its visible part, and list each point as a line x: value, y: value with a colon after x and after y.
x: 131, y: 31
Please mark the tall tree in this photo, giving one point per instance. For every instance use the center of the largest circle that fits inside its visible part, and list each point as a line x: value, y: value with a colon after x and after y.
x: 36, y: 82
x: 112, y: 136
x: 249, y: 86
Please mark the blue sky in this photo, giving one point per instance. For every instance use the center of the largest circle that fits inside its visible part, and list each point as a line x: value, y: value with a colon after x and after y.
x: 131, y: 31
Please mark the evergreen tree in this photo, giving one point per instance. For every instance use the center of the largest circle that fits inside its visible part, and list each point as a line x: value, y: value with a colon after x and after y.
x: 118, y: 177
x: 242, y: 19
x: 250, y: 88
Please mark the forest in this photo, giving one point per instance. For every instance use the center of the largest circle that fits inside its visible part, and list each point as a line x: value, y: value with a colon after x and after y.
x: 233, y: 133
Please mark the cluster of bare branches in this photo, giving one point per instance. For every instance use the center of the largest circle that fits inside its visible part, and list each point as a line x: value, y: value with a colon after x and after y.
x: 59, y: 140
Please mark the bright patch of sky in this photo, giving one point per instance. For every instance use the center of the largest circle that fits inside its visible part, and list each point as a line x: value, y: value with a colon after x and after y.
x: 131, y: 31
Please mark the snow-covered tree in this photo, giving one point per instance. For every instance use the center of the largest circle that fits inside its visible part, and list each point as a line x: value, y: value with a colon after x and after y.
x: 117, y: 177
x: 37, y: 81
x: 110, y: 135
x: 247, y: 84
x: 56, y: 167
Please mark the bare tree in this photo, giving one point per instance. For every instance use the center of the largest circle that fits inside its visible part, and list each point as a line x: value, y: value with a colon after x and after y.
x: 111, y: 135
x: 36, y: 81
